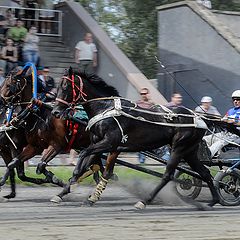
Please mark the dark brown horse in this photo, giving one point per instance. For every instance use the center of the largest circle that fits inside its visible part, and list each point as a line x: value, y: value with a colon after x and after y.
x: 119, y: 125
x: 46, y: 131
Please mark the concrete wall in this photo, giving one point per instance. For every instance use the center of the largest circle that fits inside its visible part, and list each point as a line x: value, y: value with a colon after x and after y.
x: 231, y: 20
x: 202, y: 61
x: 114, y: 67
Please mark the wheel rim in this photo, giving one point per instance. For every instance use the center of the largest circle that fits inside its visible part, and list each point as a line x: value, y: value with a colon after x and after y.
x: 229, y: 189
x: 188, y: 185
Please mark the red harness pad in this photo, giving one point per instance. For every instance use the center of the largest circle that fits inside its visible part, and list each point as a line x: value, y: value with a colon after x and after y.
x: 73, y: 129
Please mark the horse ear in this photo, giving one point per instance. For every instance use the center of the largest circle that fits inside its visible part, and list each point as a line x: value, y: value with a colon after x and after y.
x: 70, y: 71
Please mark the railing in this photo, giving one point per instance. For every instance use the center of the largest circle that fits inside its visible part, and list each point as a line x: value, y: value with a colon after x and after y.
x: 55, y: 21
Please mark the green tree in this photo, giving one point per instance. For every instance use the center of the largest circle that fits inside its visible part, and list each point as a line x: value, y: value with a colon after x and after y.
x: 132, y: 24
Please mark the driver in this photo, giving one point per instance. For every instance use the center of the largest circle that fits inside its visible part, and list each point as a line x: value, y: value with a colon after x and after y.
x: 217, y: 141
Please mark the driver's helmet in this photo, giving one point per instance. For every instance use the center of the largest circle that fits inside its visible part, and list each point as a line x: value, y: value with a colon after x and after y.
x: 236, y: 94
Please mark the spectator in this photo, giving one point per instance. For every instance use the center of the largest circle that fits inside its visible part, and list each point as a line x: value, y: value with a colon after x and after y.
x: 18, y: 32
x: 48, y: 84
x: 86, y: 54
x: 30, y: 47
x: 1, y: 76
x: 2, y: 24
x: 206, y: 107
x: 10, y: 55
x: 2, y: 61
x: 176, y: 100
x: 46, y: 16
x: 217, y: 141
x: 205, y: 3
x: 30, y: 13
x: 16, y: 5
x: 144, y: 102
x: 10, y: 20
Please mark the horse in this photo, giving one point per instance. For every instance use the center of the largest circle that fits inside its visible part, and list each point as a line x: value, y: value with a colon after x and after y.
x: 49, y: 132
x: 119, y: 125
x: 12, y: 142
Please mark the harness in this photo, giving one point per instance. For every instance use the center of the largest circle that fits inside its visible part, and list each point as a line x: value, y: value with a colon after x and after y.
x: 118, y: 110
x: 72, y: 129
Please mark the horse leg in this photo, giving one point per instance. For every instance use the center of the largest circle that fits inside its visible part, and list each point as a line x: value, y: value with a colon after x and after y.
x: 98, y: 162
x: 48, y: 155
x: 13, y: 185
x: 75, y: 176
x: 105, y: 177
x: 24, y: 178
x: 204, y: 172
x: 28, y: 152
x: 167, y: 176
x: 7, y: 157
x: 5, y: 176
x: 83, y: 164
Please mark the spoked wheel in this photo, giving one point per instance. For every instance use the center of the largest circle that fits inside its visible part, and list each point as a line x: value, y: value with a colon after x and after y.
x: 187, y: 185
x: 228, y: 188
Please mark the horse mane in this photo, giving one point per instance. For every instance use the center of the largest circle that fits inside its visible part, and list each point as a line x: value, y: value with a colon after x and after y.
x: 98, y: 83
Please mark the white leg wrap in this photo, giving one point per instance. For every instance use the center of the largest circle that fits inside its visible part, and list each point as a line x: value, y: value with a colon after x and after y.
x: 98, y: 191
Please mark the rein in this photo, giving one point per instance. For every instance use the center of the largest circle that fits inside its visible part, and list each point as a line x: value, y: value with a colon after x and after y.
x: 117, y: 110
x: 81, y: 93
x: 6, y: 99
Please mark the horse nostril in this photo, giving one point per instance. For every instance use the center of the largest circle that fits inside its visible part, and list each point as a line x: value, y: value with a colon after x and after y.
x: 56, y: 113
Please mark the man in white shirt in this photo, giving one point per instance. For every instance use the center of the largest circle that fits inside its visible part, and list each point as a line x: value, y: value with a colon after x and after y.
x: 86, y: 54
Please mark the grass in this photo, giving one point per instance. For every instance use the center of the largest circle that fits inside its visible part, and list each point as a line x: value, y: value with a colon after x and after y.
x: 64, y: 173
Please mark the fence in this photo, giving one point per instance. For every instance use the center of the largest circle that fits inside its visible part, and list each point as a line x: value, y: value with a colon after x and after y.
x: 37, y: 17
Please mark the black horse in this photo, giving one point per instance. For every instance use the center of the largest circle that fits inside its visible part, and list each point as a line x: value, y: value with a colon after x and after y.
x: 119, y: 125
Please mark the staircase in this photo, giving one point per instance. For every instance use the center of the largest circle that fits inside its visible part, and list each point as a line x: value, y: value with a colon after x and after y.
x: 55, y: 55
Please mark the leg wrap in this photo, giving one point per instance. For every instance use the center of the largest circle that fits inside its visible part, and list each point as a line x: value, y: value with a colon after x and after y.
x: 98, y: 191
x: 94, y: 168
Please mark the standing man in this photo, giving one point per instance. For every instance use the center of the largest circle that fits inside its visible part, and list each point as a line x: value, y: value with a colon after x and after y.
x: 206, y: 107
x: 48, y: 84
x: 176, y: 100
x: 86, y: 54
x: 144, y: 102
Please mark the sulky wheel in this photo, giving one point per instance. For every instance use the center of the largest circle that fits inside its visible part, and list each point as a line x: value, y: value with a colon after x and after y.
x: 228, y: 188
x: 187, y: 185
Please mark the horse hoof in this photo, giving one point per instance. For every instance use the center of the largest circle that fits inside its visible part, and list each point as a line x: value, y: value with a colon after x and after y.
x: 140, y: 205
x: 205, y: 207
x: 11, y: 195
x: 40, y: 167
x: 88, y: 203
x: 114, y: 177
x: 56, y: 199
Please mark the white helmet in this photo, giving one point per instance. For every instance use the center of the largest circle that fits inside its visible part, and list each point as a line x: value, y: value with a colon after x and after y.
x: 236, y: 94
x: 206, y: 99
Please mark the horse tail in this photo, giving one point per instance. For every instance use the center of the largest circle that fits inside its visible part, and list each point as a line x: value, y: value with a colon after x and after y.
x: 230, y: 127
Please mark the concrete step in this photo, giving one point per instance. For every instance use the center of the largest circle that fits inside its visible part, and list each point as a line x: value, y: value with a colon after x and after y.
x: 59, y: 64
x: 52, y: 60
x: 54, y: 49
x: 57, y: 55
x: 50, y: 39
x: 51, y: 44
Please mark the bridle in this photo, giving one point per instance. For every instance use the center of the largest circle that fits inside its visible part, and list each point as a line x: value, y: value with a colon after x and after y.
x: 15, y: 89
x: 76, y: 97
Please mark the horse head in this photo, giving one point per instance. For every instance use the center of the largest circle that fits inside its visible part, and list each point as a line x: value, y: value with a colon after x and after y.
x: 14, y: 88
x: 77, y: 88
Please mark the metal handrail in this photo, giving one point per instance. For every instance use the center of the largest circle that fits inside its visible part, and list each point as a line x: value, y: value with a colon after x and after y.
x: 37, y: 19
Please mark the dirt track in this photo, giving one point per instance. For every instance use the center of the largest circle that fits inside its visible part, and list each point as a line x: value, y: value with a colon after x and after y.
x: 31, y: 217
